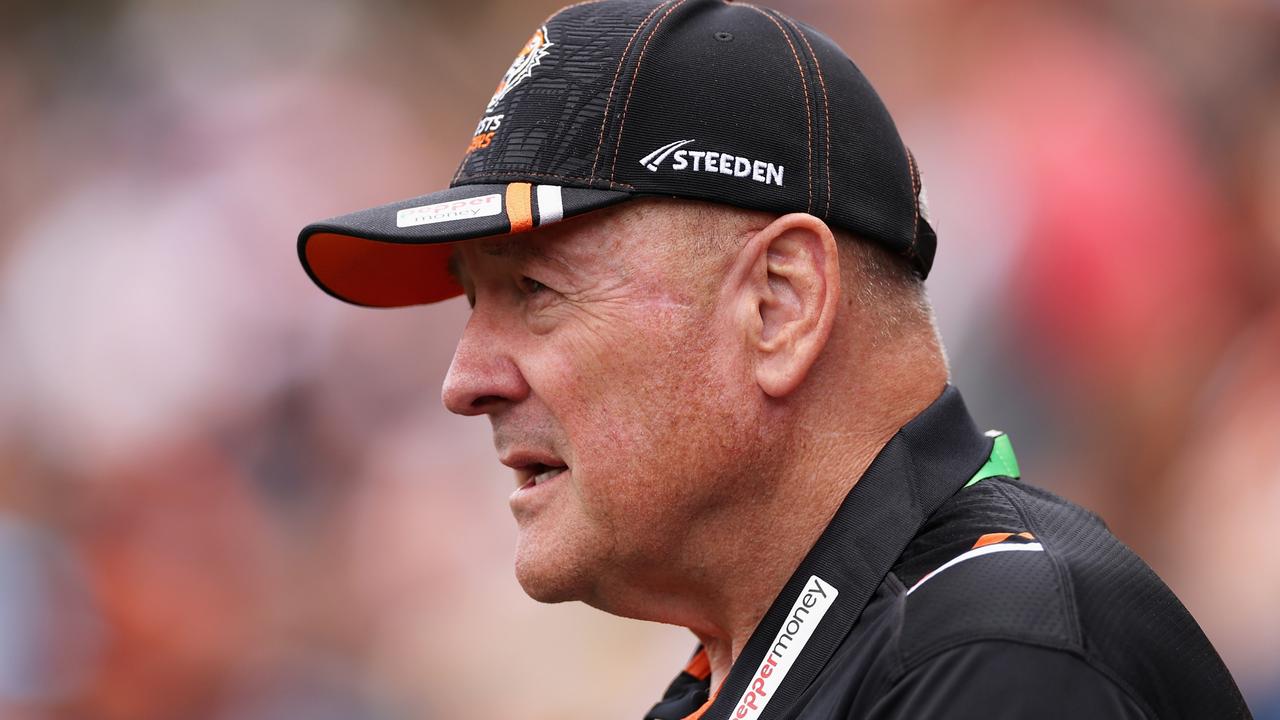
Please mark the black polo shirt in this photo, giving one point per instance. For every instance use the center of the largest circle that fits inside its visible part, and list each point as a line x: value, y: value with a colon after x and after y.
x: 945, y: 588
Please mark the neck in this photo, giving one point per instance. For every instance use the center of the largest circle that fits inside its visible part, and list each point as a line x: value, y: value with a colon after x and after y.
x: 737, y: 559
x: 755, y: 577
x: 819, y: 473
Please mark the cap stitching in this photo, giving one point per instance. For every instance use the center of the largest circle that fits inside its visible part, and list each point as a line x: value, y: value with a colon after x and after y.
x: 617, y: 143
x: 915, y: 204
x: 826, y: 105
x: 523, y: 173
x: 458, y: 173
x: 804, y: 84
x: 622, y: 59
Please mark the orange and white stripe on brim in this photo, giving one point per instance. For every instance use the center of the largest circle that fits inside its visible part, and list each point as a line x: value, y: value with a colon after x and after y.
x: 398, y: 254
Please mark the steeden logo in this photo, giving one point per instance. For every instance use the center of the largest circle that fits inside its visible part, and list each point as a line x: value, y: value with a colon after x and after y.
x: 713, y: 162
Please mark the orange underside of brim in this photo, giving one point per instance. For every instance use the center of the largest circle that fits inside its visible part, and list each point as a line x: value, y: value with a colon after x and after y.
x: 381, y: 274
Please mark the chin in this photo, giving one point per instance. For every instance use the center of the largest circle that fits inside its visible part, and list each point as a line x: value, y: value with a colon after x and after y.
x: 551, y: 580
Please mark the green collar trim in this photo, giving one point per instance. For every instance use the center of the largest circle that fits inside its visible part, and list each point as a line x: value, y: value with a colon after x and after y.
x: 1002, y: 463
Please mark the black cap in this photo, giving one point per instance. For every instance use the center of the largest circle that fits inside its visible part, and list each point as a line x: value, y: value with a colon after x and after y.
x: 616, y: 99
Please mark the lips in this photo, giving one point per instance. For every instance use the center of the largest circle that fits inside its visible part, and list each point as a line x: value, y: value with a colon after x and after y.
x: 537, y: 474
x: 545, y: 473
x: 534, y: 468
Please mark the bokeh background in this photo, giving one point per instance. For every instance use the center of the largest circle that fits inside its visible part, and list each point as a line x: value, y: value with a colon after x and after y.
x: 225, y: 496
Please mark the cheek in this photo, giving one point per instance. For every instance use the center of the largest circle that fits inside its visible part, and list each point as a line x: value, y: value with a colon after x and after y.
x: 658, y: 425
x: 647, y: 380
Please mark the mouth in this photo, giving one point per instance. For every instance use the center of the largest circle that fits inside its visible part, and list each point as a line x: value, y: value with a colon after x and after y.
x: 535, y: 474
x: 533, y: 467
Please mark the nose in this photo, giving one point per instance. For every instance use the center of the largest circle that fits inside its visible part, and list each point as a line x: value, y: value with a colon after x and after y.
x: 483, y: 377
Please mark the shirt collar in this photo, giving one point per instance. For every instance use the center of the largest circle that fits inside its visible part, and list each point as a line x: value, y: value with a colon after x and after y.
x: 927, y: 461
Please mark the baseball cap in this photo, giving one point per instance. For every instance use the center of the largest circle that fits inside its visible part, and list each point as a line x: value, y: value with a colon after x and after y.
x: 611, y: 100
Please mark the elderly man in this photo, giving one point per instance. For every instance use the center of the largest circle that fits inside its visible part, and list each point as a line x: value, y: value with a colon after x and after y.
x: 694, y: 248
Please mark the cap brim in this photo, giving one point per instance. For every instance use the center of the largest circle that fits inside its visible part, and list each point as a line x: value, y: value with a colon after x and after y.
x: 398, y: 254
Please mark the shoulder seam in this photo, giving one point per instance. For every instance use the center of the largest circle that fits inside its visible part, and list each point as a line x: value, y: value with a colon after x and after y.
x: 899, y: 618
x: 1064, y: 575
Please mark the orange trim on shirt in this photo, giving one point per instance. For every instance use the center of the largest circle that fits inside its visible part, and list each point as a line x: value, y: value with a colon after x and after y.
x: 993, y: 538
x: 990, y: 539
x: 697, y: 714
x: 699, y: 665
x: 520, y: 206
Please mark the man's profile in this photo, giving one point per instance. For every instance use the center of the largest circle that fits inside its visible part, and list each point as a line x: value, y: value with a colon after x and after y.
x: 695, y: 248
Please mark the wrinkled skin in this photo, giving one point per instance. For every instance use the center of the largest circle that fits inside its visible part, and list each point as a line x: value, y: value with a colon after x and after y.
x: 599, y: 344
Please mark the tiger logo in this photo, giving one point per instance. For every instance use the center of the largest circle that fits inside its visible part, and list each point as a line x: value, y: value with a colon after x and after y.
x: 522, y: 67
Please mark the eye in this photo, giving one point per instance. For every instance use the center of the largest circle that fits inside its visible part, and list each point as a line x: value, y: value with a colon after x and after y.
x: 529, y: 286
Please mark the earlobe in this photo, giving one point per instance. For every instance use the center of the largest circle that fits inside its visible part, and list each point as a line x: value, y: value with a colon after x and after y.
x: 792, y: 290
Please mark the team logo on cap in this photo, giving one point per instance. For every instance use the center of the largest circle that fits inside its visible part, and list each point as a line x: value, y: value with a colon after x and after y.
x: 522, y: 67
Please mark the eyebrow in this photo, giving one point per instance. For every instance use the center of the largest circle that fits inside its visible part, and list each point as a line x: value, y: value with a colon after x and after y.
x: 509, y: 248
x: 454, y: 267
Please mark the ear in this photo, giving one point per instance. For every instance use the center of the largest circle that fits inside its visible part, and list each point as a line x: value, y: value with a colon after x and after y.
x: 787, y: 288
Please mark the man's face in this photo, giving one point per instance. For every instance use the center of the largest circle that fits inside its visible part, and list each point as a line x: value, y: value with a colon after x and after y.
x: 603, y: 358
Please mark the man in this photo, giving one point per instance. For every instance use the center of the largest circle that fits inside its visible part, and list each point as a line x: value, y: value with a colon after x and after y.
x: 694, y: 248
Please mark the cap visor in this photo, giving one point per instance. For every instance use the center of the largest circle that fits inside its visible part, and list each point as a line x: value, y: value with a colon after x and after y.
x: 398, y: 254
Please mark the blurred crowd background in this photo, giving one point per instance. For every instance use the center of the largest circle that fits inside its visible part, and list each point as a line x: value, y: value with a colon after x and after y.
x: 226, y: 496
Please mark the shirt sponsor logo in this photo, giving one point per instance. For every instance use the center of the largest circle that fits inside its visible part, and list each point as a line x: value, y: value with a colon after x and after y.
x: 714, y: 162
x: 813, y: 603
x: 464, y: 209
x: 529, y: 57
